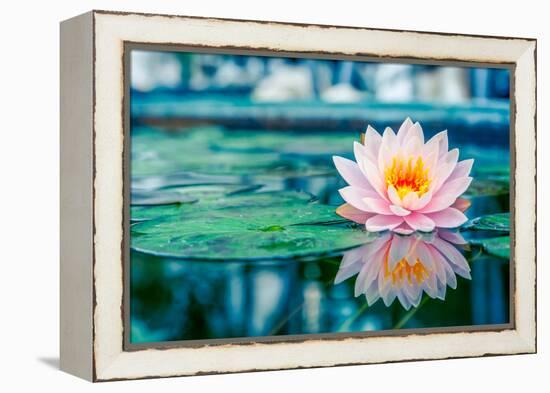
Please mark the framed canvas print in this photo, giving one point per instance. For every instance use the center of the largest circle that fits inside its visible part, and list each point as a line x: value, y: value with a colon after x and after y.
x: 245, y: 195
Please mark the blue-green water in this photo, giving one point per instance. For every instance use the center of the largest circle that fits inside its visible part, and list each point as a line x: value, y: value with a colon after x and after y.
x: 185, y: 287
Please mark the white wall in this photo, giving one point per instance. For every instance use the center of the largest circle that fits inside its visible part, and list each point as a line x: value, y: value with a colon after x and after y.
x: 29, y: 193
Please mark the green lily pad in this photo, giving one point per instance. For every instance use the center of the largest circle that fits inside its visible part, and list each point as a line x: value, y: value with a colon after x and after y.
x: 160, y: 153
x: 493, y: 170
x: 143, y: 213
x: 201, y: 150
x: 287, y: 142
x: 256, y: 226
x: 144, y: 183
x: 241, y: 141
x: 159, y: 197
x: 204, y: 161
x: 481, y: 187
x: 499, y: 222
x: 235, y: 203
x: 496, y: 246
x: 147, y: 205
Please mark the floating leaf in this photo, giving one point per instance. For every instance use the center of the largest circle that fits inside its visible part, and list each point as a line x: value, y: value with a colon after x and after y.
x: 146, y: 183
x: 188, y: 150
x: 496, y: 246
x: 199, y: 150
x: 147, y: 204
x: 159, y: 197
x: 493, y: 170
x: 493, y: 222
x: 256, y: 226
x: 287, y: 142
x: 487, y: 187
x: 234, y: 203
x: 143, y: 213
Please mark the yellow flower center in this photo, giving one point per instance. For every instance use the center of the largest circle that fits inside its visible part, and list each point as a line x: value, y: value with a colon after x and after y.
x: 403, y: 272
x: 407, y: 176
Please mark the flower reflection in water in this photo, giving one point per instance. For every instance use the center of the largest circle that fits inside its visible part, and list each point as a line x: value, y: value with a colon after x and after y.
x: 396, y: 266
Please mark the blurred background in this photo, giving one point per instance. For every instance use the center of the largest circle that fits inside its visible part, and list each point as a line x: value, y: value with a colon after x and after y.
x: 175, y: 89
x: 274, y: 123
x: 252, y: 91
x: 275, y: 79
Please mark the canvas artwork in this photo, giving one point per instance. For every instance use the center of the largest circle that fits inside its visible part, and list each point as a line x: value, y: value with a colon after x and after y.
x: 274, y: 197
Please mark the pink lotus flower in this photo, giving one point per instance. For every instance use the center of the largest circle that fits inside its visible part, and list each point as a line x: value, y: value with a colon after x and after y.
x: 403, y: 184
x: 404, y: 267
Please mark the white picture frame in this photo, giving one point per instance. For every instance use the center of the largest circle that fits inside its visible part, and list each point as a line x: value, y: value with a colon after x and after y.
x: 93, y: 193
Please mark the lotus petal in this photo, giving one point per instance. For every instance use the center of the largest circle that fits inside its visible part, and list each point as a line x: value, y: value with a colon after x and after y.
x: 416, y: 184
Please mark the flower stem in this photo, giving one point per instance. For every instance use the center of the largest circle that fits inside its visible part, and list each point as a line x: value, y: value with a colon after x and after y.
x: 348, y: 322
x: 410, y: 314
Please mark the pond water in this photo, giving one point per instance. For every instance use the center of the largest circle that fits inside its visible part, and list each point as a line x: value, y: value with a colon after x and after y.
x: 234, y: 235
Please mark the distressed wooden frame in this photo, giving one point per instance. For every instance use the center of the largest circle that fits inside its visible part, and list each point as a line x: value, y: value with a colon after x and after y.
x: 93, y: 194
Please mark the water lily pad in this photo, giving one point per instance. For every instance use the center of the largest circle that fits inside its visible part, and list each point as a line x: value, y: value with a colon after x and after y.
x: 255, y: 226
x: 229, y: 203
x: 146, y: 183
x: 481, y: 187
x: 496, y: 246
x: 143, y: 213
x: 204, y: 161
x: 287, y: 142
x: 216, y: 151
x: 160, y: 197
x: 494, y: 222
x: 159, y: 153
x: 241, y: 141
x: 148, y: 204
x: 493, y: 170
